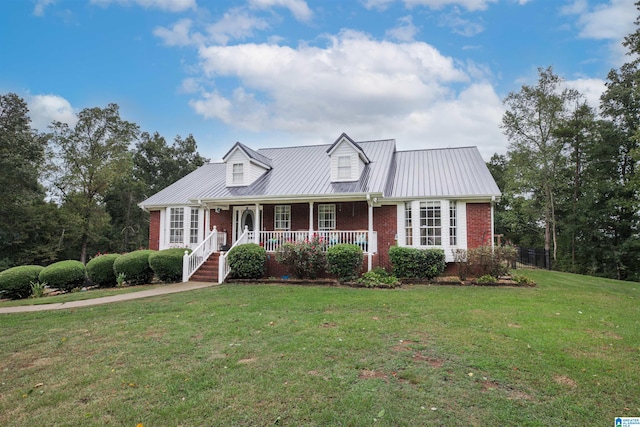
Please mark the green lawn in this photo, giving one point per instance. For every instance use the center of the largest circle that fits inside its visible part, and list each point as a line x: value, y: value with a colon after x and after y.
x: 76, y: 296
x: 566, y: 352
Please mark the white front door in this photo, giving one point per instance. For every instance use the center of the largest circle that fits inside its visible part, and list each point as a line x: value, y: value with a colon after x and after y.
x: 243, y: 216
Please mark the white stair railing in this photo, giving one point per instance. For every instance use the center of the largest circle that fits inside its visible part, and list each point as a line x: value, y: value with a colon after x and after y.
x: 223, y: 265
x: 191, y: 262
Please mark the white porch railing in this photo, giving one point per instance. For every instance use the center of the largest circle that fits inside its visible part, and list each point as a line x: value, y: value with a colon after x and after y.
x: 271, y: 240
x: 223, y: 265
x: 192, y: 261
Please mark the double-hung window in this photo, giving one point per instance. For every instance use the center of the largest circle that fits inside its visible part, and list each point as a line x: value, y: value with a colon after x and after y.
x: 408, y: 224
x: 344, y: 167
x: 326, y: 217
x: 282, y: 217
x: 238, y: 174
x: 430, y: 223
x: 176, y: 225
x: 453, y: 223
x: 193, y: 230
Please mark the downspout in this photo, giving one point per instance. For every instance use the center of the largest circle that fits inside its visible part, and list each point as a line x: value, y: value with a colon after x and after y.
x: 369, y: 239
x: 493, y: 202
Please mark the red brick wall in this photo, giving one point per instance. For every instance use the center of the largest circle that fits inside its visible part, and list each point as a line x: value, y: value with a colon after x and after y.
x: 222, y: 221
x: 154, y: 230
x: 385, y: 222
x: 478, y: 224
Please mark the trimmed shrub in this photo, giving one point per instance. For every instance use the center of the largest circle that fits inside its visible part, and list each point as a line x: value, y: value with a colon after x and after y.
x: 135, y: 267
x: 305, y: 260
x: 64, y: 275
x: 247, y: 261
x: 345, y: 261
x: 167, y: 264
x: 378, y: 278
x: 494, y: 262
x: 100, y: 270
x: 413, y: 263
x: 15, y: 283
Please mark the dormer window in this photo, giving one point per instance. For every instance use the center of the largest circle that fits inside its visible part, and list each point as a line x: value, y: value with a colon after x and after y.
x: 344, y: 167
x: 238, y: 174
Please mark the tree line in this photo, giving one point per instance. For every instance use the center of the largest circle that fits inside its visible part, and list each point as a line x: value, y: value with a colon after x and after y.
x: 570, y: 178
x: 73, y: 191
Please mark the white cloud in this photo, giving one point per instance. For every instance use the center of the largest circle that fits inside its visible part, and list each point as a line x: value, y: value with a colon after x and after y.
x: 433, y: 4
x: 38, y: 9
x: 177, y: 35
x: 610, y: 21
x: 459, y: 25
x: 405, y: 31
x: 368, y: 88
x: 236, y: 24
x: 298, y: 8
x: 592, y: 89
x: 168, y: 5
x: 44, y: 109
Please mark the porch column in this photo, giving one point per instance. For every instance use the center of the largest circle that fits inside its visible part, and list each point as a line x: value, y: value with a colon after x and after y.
x: 310, y: 220
x: 370, y: 238
x: 257, y: 226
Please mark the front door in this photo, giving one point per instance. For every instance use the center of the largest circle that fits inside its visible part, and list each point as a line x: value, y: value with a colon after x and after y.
x: 243, y: 216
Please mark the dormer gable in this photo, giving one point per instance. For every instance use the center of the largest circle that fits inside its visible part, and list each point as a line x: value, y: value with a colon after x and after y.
x: 347, y: 159
x: 244, y: 165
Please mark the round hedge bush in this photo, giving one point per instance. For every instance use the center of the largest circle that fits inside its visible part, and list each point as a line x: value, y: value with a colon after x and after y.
x: 247, y: 261
x: 167, y: 264
x: 15, y: 283
x: 135, y: 267
x: 100, y: 270
x: 64, y: 275
x: 345, y: 261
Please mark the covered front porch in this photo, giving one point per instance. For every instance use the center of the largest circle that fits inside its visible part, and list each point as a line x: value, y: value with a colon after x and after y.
x: 272, y: 225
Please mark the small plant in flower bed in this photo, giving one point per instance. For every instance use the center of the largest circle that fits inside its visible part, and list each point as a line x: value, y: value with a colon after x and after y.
x: 15, y: 283
x: 247, y: 261
x: 100, y: 270
x: 378, y: 278
x: 523, y: 280
x: 135, y: 267
x: 486, y: 279
x: 64, y: 275
x: 305, y: 260
x: 167, y: 264
x: 345, y: 261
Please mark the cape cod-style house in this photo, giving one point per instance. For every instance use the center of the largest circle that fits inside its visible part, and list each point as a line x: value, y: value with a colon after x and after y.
x: 366, y: 193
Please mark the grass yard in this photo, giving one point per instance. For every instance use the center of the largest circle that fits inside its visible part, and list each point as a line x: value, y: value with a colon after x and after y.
x: 564, y: 353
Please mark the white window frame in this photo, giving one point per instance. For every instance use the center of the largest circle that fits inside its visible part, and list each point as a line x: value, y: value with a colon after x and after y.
x: 282, y: 218
x: 176, y: 225
x: 326, y: 217
x: 453, y: 223
x: 344, y: 168
x: 237, y: 173
x: 431, y: 223
x: 408, y: 224
x: 194, y: 225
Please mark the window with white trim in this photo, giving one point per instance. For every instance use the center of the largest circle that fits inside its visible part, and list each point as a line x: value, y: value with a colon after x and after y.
x: 176, y: 225
x: 344, y: 167
x: 282, y: 217
x: 238, y: 173
x: 453, y: 223
x: 408, y: 224
x: 326, y: 217
x: 193, y: 231
x: 430, y: 223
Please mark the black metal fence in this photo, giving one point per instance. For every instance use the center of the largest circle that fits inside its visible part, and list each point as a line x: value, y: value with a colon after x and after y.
x: 532, y: 258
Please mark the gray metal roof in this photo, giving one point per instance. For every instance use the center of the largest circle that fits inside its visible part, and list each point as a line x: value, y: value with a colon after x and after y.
x: 252, y: 154
x: 305, y: 172
x: 448, y: 172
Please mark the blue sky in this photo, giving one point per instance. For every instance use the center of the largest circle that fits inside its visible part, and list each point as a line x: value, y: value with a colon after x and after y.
x: 429, y: 73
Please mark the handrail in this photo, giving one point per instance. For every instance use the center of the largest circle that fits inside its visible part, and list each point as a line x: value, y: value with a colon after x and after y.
x: 271, y: 240
x: 192, y: 261
x: 223, y: 267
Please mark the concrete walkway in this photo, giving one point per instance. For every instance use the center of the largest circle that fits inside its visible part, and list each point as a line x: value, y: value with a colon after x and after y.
x: 160, y: 290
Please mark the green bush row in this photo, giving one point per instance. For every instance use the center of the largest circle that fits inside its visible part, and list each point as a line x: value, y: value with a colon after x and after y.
x: 138, y: 267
